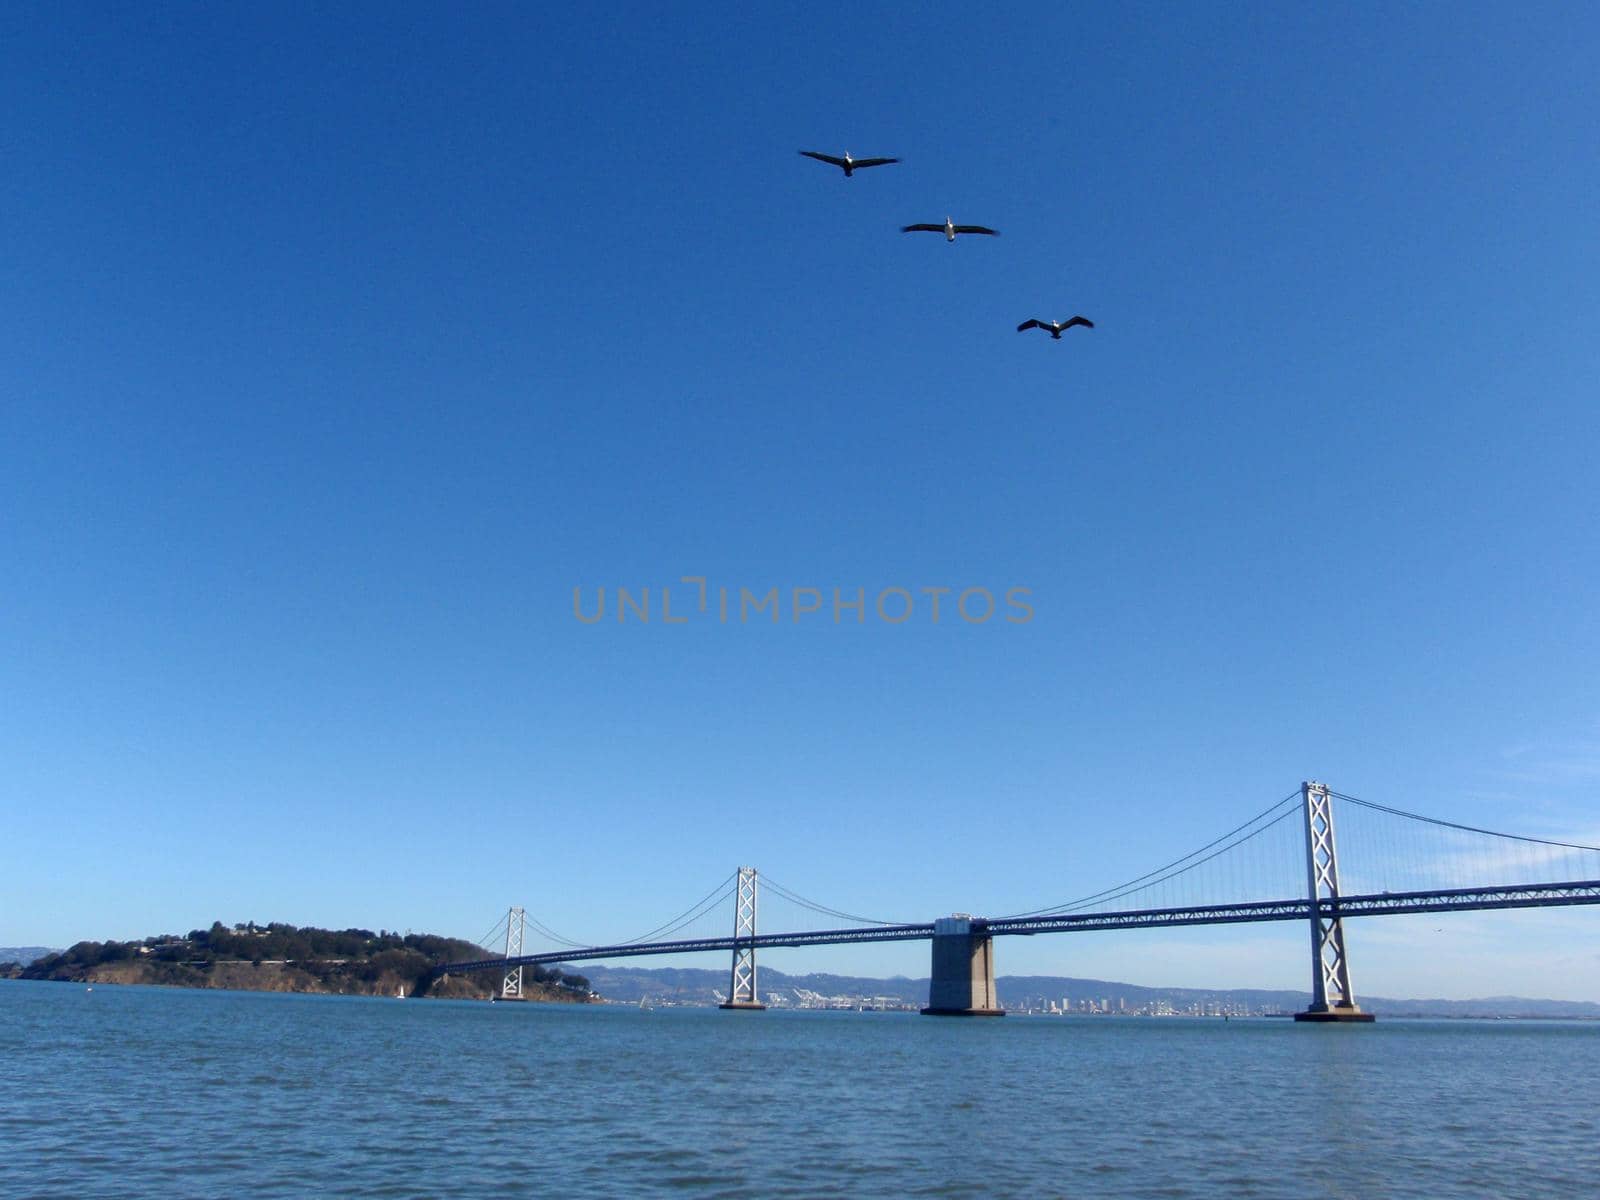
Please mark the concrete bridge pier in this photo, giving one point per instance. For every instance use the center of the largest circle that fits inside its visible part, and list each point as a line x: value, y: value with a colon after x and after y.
x: 962, y: 984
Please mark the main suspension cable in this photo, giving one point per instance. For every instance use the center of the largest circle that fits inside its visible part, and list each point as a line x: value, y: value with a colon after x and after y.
x: 693, y: 912
x: 823, y: 909
x: 1122, y: 889
x: 1516, y: 837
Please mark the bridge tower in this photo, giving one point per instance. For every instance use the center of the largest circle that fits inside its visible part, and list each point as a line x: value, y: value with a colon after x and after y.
x: 742, y: 992
x: 516, y: 923
x: 1331, y: 996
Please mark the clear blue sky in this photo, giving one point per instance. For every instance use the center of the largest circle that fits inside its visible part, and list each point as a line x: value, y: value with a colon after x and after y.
x: 341, y: 343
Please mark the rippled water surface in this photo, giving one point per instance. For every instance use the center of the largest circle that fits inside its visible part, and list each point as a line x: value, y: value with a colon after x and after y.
x: 145, y: 1092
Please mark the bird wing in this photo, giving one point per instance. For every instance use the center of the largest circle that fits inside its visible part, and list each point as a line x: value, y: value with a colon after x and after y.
x: 1084, y: 321
x: 827, y: 158
x: 874, y: 162
x: 1030, y: 324
x: 922, y: 228
x: 976, y: 229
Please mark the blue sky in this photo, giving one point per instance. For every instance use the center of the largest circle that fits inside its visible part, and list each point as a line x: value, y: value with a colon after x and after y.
x: 343, y: 343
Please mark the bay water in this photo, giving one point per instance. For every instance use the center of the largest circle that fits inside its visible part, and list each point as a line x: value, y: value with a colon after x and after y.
x: 140, y: 1093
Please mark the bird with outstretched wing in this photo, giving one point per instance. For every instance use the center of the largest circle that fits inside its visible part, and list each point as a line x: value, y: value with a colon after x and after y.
x: 848, y: 164
x: 949, y: 229
x: 1055, y: 327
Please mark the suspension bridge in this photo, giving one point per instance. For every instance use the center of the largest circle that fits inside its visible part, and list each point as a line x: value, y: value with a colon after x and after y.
x: 1282, y: 865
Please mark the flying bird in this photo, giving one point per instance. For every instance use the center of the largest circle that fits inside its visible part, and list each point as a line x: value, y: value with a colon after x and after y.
x: 949, y: 229
x: 1055, y: 327
x: 849, y: 165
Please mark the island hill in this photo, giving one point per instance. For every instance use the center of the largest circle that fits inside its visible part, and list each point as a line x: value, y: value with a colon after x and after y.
x: 286, y: 958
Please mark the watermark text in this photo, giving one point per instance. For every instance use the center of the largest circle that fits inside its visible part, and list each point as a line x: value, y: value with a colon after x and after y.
x: 694, y: 599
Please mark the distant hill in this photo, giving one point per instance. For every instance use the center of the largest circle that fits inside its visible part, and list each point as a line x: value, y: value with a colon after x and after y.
x: 688, y: 985
x: 23, y: 955
x: 287, y: 958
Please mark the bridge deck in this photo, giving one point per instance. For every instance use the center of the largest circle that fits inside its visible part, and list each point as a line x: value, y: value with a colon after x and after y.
x: 1532, y: 895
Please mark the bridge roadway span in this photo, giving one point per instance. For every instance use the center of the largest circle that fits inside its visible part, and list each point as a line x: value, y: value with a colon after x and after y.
x: 1533, y: 895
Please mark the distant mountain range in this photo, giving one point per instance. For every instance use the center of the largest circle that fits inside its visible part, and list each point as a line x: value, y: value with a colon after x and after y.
x: 24, y: 954
x: 690, y: 985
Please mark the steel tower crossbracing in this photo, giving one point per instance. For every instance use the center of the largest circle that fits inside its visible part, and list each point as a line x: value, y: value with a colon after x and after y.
x: 516, y: 923
x: 742, y: 982
x: 1331, y: 996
